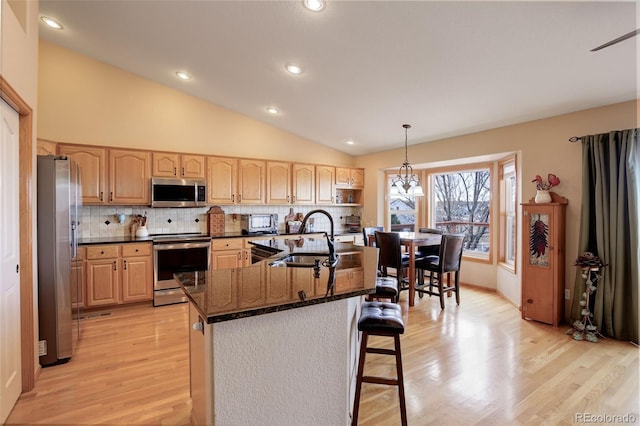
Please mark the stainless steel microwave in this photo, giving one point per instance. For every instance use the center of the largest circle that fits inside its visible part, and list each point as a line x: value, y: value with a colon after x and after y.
x: 171, y: 192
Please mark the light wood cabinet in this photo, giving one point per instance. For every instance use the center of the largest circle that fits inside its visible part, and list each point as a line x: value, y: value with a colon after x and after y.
x: 251, y: 181
x: 278, y: 183
x: 137, y: 272
x: 118, y: 274
x: 251, y: 286
x: 227, y: 253
x: 222, y: 179
x: 167, y: 164
x: 543, y: 260
x: 349, y: 177
x: 289, y: 183
x: 111, y: 176
x: 92, y: 166
x: 349, y: 272
x: 349, y: 186
x: 103, y: 275
x: 78, y: 279
x: 303, y: 184
x: 129, y: 177
x: 45, y: 147
x: 325, y: 178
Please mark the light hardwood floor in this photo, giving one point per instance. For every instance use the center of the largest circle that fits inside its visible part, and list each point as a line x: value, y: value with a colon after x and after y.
x: 478, y: 363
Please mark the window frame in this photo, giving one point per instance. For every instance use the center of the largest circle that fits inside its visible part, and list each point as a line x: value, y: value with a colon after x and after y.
x: 466, y: 167
x: 504, y: 214
x: 419, y: 202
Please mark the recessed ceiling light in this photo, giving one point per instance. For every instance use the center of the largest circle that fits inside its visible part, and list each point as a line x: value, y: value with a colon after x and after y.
x: 294, y: 69
x: 314, y: 5
x: 273, y: 110
x: 183, y: 75
x: 52, y: 23
x: 350, y: 142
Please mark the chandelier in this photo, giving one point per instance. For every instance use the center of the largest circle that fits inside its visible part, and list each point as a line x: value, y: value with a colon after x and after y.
x: 406, y: 179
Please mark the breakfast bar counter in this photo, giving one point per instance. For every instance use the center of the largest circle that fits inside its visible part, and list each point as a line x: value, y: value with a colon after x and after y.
x: 277, y: 342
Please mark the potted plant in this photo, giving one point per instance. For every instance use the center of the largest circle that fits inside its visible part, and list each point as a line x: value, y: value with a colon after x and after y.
x: 542, y: 188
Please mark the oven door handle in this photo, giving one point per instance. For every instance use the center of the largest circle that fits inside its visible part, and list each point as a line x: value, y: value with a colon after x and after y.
x: 205, y: 244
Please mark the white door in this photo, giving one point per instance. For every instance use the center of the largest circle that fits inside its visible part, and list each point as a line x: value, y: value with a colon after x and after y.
x: 10, y: 373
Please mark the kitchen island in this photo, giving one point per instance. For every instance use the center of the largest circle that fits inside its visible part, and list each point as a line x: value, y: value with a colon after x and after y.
x: 277, y: 342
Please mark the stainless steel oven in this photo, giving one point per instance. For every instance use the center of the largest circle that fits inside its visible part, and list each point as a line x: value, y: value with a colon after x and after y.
x: 172, y: 254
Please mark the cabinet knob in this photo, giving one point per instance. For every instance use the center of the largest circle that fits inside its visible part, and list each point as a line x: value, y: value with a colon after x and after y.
x: 125, y: 265
x: 101, y: 198
x: 175, y: 171
x: 102, y: 252
x: 198, y: 326
x: 115, y: 267
x: 529, y: 300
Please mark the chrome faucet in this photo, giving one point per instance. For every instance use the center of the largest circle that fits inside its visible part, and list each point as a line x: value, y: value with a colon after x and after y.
x: 333, y: 259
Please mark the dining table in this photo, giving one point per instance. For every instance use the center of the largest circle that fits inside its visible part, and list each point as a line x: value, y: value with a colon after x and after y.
x: 413, y: 240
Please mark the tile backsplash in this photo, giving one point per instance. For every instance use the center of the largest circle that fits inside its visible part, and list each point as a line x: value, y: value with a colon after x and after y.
x: 102, y: 221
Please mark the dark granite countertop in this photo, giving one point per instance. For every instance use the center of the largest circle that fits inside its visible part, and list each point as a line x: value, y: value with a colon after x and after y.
x: 228, y: 294
x: 131, y: 239
x: 113, y: 240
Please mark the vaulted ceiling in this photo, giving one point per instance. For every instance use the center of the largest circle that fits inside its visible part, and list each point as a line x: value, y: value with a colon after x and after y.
x: 446, y: 68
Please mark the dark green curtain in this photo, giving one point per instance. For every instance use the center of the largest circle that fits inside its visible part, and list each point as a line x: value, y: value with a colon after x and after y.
x: 609, y: 229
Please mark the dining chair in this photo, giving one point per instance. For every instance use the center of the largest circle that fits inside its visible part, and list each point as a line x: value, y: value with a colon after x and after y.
x: 391, y: 256
x: 424, y: 251
x: 447, y: 261
x: 369, y: 232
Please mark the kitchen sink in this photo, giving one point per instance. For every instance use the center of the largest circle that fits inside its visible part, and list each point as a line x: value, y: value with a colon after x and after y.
x: 300, y: 260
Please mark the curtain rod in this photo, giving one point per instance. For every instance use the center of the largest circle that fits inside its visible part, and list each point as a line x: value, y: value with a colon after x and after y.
x: 575, y: 139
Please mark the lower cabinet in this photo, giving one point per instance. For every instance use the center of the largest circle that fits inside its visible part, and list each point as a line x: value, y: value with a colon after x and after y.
x: 118, y: 273
x: 78, y: 279
x: 229, y: 253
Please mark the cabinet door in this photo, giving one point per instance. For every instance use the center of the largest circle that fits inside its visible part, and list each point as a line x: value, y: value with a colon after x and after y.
x: 343, y: 176
x: 192, y: 166
x: 252, y: 286
x: 165, y: 164
x: 137, y: 283
x: 129, y: 177
x: 357, y: 178
x: 278, y: 286
x: 324, y: 184
x: 226, y: 259
x: 222, y: 180
x: 539, y: 276
x: 45, y: 147
x: 92, y: 167
x: 78, y: 284
x: 278, y: 182
x: 303, y: 188
x: 102, y: 282
x: 251, y: 182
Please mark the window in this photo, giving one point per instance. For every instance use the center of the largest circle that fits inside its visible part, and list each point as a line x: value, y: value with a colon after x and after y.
x: 508, y: 204
x: 460, y: 203
x: 403, y: 209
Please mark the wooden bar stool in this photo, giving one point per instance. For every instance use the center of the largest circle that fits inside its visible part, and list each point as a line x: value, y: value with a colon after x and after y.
x: 380, y: 319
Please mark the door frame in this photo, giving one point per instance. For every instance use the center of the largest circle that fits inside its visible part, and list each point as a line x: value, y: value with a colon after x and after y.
x: 26, y: 188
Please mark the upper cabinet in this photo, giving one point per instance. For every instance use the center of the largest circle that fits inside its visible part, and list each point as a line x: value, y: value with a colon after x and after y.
x: 303, y: 184
x: 278, y: 182
x: 348, y: 177
x: 325, y: 177
x: 122, y: 177
x: 166, y: 164
x: 45, y: 147
x: 92, y: 166
x: 222, y: 180
x: 251, y: 181
x: 290, y: 183
x: 129, y: 177
x: 349, y: 186
x: 111, y: 176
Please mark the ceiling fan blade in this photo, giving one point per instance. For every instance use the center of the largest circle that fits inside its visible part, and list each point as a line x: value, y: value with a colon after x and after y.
x: 617, y: 40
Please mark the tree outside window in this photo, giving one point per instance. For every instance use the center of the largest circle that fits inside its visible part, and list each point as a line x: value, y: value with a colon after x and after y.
x: 461, y: 204
x: 402, y: 210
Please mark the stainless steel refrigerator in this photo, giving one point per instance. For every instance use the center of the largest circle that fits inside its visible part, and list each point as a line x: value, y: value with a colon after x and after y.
x: 58, y: 203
